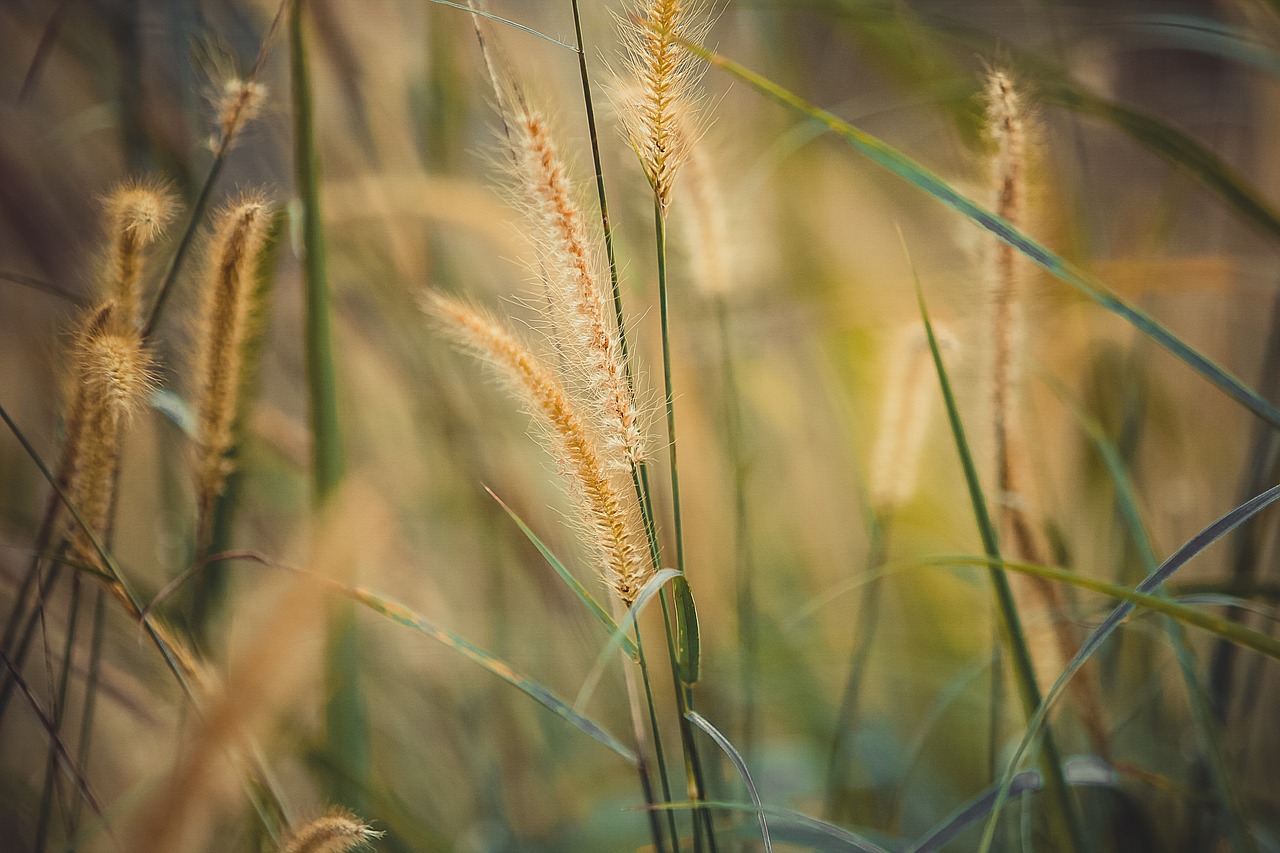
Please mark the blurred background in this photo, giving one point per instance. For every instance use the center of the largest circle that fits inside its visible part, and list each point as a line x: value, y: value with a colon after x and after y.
x: 1152, y: 170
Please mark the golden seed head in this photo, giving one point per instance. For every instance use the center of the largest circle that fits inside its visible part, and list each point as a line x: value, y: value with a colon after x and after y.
x: 141, y: 210
x: 336, y: 832
x: 660, y: 93
x: 608, y: 517
x: 112, y: 365
x: 583, y: 322
x: 237, y: 105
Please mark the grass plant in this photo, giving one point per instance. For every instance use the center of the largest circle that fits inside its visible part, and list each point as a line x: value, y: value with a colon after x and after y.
x: 287, y: 580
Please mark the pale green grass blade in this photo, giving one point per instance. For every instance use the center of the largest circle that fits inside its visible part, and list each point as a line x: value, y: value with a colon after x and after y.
x: 615, y: 641
x: 727, y: 747
x: 1098, y: 636
x: 837, y: 838
x: 1026, y: 782
x: 1202, y: 713
x: 1186, y: 614
x: 895, y: 161
x: 567, y: 576
x: 402, y: 615
x: 1062, y: 813
x: 346, y: 716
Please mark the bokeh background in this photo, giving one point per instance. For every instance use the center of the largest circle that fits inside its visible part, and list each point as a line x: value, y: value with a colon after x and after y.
x: 775, y: 465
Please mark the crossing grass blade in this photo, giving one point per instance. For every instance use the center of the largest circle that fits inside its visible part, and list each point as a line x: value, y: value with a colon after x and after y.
x: 402, y: 615
x: 728, y: 748
x: 890, y: 158
x: 819, y: 835
x: 616, y: 640
x: 1099, y: 635
x: 1062, y: 814
x: 575, y: 585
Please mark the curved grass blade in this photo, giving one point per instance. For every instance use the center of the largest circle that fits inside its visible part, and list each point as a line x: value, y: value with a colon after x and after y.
x: 402, y: 615
x: 1203, y: 718
x: 729, y: 750
x: 565, y: 575
x: 619, y: 635
x: 1154, y: 581
x: 1079, y: 773
x: 1224, y: 628
x: 843, y: 839
x: 507, y: 22
x: 895, y: 161
x: 1062, y: 815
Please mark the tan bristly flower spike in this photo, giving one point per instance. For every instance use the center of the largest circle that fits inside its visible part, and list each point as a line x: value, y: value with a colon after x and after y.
x: 112, y: 375
x: 661, y: 92
x: 1055, y: 640
x: 239, y: 103
x: 580, y: 316
x: 704, y: 219
x: 226, y: 305
x: 137, y: 214
x: 336, y: 832
x: 609, y: 516
x: 911, y: 392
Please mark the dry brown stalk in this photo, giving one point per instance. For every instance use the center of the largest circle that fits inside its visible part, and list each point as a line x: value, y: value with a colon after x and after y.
x: 1021, y: 530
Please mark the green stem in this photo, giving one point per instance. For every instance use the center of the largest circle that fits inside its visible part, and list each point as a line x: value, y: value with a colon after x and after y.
x: 657, y: 746
x: 660, y: 230
x: 345, y: 713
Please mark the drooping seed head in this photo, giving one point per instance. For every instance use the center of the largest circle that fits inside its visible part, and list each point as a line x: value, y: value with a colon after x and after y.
x: 582, y: 321
x: 239, y: 103
x: 608, y: 516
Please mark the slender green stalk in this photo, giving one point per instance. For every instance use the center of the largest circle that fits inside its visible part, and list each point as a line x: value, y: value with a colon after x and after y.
x: 865, y: 628
x: 1062, y: 814
x: 663, y: 779
x: 744, y: 580
x: 84, y: 747
x: 660, y: 235
x: 345, y: 713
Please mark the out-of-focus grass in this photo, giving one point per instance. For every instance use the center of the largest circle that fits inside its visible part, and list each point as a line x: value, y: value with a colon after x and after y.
x: 1154, y: 180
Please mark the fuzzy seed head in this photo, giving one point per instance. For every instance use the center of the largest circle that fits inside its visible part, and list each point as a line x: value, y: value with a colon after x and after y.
x: 705, y: 227
x: 239, y: 103
x: 137, y: 214
x: 112, y: 374
x: 661, y: 90
x: 583, y: 322
x: 609, y: 517
x: 226, y: 307
x: 336, y: 832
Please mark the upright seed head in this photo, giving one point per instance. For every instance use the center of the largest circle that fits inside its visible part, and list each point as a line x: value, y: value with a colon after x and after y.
x: 660, y: 93
x: 705, y: 228
x: 588, y: 337
x: 609, y: 517
x: 112, y: 374
x: 226, y: 306
x: 137, y: 214
x: 336, y: 832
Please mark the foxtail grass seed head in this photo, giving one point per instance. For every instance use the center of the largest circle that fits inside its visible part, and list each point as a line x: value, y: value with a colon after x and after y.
x: 609, y: 517
x: 137, y: 214
x: 239, y: 103
x: 705, y: 228
x: 911, y: 394
x: 588, y: 339
x: 239, y: 230
x: 336, y: 832
x: 661, y: 90
x: 112, y: 374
